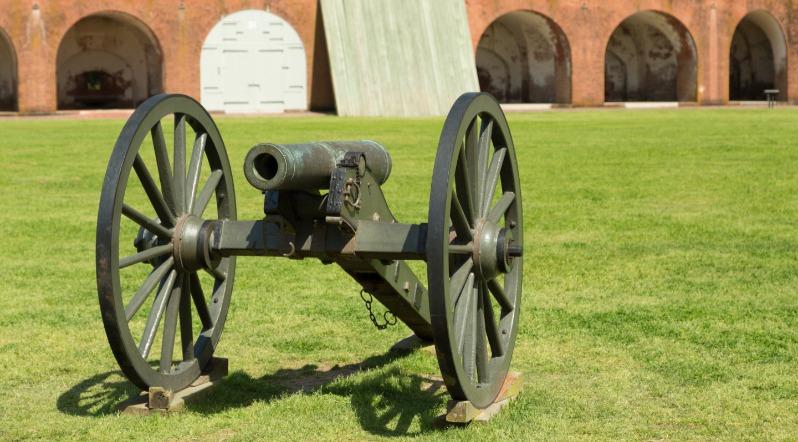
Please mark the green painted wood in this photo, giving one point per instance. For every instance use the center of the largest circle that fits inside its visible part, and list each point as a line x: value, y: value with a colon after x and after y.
x: 398, y: 57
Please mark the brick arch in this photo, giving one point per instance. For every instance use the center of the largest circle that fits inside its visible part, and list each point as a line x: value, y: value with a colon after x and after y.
x: 124, y: 11
x: 43, y: 29
x: 9, y: 79
x: 300, y: 14
x: 507, y: 45
x: 588, y: 25
x: 775, y: 33
x: 280, y: 83
x: 771, y: 16
x: 482, y: 14
x: 618, y: 15
x: 625, y: 76
x: 293, y: 14
x: 134, y: 83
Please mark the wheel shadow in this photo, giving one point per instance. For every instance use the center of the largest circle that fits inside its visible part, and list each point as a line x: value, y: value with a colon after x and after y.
x: 386, y: 399
x: 98, y: 395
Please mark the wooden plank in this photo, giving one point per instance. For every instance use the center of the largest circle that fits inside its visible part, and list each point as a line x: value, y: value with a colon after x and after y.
x: 398, y: 57
x: 159, y: 400
x: 464, y: 412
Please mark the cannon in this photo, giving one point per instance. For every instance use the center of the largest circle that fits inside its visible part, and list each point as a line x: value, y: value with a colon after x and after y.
x: 168, y: 238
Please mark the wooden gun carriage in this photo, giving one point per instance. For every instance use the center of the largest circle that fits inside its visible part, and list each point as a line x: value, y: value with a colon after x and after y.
x: 321, y: 200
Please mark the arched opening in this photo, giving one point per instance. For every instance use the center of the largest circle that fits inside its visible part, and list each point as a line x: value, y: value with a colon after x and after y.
x: 275, y: 78
x: 758, y: 58
x: 524, y: 57
x: 651, y: 56
x: 108, y: 60
x: 8, y: 74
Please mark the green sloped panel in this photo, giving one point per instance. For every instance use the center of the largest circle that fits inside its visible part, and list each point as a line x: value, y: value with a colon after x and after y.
x: 398, y: 57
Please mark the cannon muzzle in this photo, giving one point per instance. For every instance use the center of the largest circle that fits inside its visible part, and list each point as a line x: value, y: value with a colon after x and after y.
x: 309, y: 166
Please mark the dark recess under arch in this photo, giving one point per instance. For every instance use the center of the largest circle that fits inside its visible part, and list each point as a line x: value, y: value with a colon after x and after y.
x: 524, y: 57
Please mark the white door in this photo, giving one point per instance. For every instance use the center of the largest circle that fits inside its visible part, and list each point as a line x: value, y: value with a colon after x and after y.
x: 253, y: 61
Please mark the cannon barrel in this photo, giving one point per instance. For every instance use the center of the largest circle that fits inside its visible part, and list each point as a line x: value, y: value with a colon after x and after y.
x: 309, y: 166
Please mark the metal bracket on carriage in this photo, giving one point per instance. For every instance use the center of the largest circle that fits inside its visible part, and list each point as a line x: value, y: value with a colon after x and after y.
x: 344, y: 197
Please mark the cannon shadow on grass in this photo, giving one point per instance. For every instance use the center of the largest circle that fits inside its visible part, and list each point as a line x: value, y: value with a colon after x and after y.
x: 385, y: 398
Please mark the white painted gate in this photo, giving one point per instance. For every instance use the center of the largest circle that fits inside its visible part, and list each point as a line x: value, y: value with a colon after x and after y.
x: 253, y: 61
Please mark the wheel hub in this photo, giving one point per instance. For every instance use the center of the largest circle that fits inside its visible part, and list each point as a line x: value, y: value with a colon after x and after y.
x: 191, y: 244
x: 494, y: 249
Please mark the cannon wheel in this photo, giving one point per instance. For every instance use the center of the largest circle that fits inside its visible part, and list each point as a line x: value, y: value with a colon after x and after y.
x: 165, y: 289
x: 474, y: 247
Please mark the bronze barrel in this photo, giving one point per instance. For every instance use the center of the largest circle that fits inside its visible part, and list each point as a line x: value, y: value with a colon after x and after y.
x: 309, y: 166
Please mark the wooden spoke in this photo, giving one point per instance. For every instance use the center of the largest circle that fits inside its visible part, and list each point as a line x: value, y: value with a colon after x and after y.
x: 154, y: 318
x: 459, y: 276
x: 199, y: 301
x: 469, y: 285
x: 149, y: 285
x: 186, y: 330
x: 472, y: 156
x: 216, y: 273
x: 180, y: 163
x: 462, y: 314
x: 154, y: 195
x: 164, y: 169
x: 491, y: 329
x: 481, y: 351
x: 170, y: 325
x: 470, y: 341
x: 501, y: 297
x: 145, y: 222
x: 194, y: 169
x: 459, y: 220
x: 146, y: 255
x: 492, y: 179
x: 207, y: 192
x: 463, y: 186
x: 501, y: 207
x: 484, y: 151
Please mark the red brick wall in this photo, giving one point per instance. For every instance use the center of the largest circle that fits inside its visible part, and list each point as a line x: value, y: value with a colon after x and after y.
x: 588, y: 25
x: 35, y: 28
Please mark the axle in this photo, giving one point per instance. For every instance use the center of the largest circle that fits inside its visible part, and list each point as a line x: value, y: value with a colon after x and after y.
x: 361, y: 254
x: 271, y: 237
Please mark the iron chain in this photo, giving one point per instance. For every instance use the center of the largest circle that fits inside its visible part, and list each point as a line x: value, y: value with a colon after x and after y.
x: 385, y: 316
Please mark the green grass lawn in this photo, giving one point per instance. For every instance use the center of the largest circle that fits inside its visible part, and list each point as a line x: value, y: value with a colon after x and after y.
x: 659, y: 289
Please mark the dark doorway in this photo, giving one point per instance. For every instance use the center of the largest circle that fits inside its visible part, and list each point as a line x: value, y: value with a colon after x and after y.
x: 758, y: 58
x: 524, y: 57
x: 8, y: 74
x: 650, y: 56
x: 108, y: 61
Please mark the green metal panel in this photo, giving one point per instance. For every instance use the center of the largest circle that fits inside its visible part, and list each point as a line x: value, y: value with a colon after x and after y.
x: 398, y: 57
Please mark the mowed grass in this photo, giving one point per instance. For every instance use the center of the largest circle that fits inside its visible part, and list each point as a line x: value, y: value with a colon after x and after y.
x: 660, y: 289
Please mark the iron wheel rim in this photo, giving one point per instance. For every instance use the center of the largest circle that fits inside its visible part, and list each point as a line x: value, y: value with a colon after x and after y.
x: 113, y: 309
x: 474, y: 118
